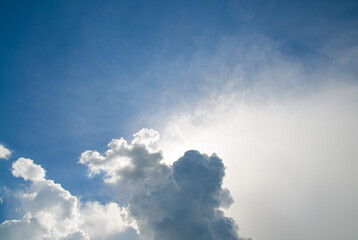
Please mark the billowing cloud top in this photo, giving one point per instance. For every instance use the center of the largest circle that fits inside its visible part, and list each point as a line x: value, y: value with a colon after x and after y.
x: 4, y: 152
x: 185, y: 205
x: 130, y: 163
x: 26, y: 169
x: 181, y: 201
x: 51, y: 212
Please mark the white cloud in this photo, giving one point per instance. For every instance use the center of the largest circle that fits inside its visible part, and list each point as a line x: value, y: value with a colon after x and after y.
x: 25, y: 228
x: 4, y: 152
x: 148, y: 137
x: 26, y: 169
x: 129, y: 163
x: 51, y: 212
x: 103, y: 221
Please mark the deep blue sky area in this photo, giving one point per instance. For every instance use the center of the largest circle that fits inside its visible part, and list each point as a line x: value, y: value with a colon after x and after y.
x: 75, y: 74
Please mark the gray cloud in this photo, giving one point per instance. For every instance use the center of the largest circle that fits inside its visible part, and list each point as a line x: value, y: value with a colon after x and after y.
x: 186, y: 205
x: 181, y: 201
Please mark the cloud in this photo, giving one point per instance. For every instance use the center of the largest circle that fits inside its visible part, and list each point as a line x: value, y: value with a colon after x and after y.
x: 186, y: 206
x: 4, y: 152
x: 146, y: 136
x: 103, y: 221
x: 181, y: 201
x: 128, y: 163
x: 51, y: 212
x: 26, y: 169
x: 25, y: 228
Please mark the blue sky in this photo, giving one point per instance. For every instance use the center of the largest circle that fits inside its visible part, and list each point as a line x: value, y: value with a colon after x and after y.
x: 74, y: 75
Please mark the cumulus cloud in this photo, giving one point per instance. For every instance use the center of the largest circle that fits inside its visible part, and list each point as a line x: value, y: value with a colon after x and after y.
x: 186, y: 206
x: 4, y: 152
x: 26, y: 169
x: 25, y: 228
x: 128, y: 163
x: 51, y: 212
x: 181, y: 201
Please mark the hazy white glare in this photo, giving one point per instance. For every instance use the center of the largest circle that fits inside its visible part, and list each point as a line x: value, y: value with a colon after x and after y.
x: 290, y: 162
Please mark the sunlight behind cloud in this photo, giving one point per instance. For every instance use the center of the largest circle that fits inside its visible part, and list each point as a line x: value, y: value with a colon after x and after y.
x: 290, y: 163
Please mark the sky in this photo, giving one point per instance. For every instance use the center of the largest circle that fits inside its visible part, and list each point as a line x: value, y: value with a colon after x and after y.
x: 178, y: 119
